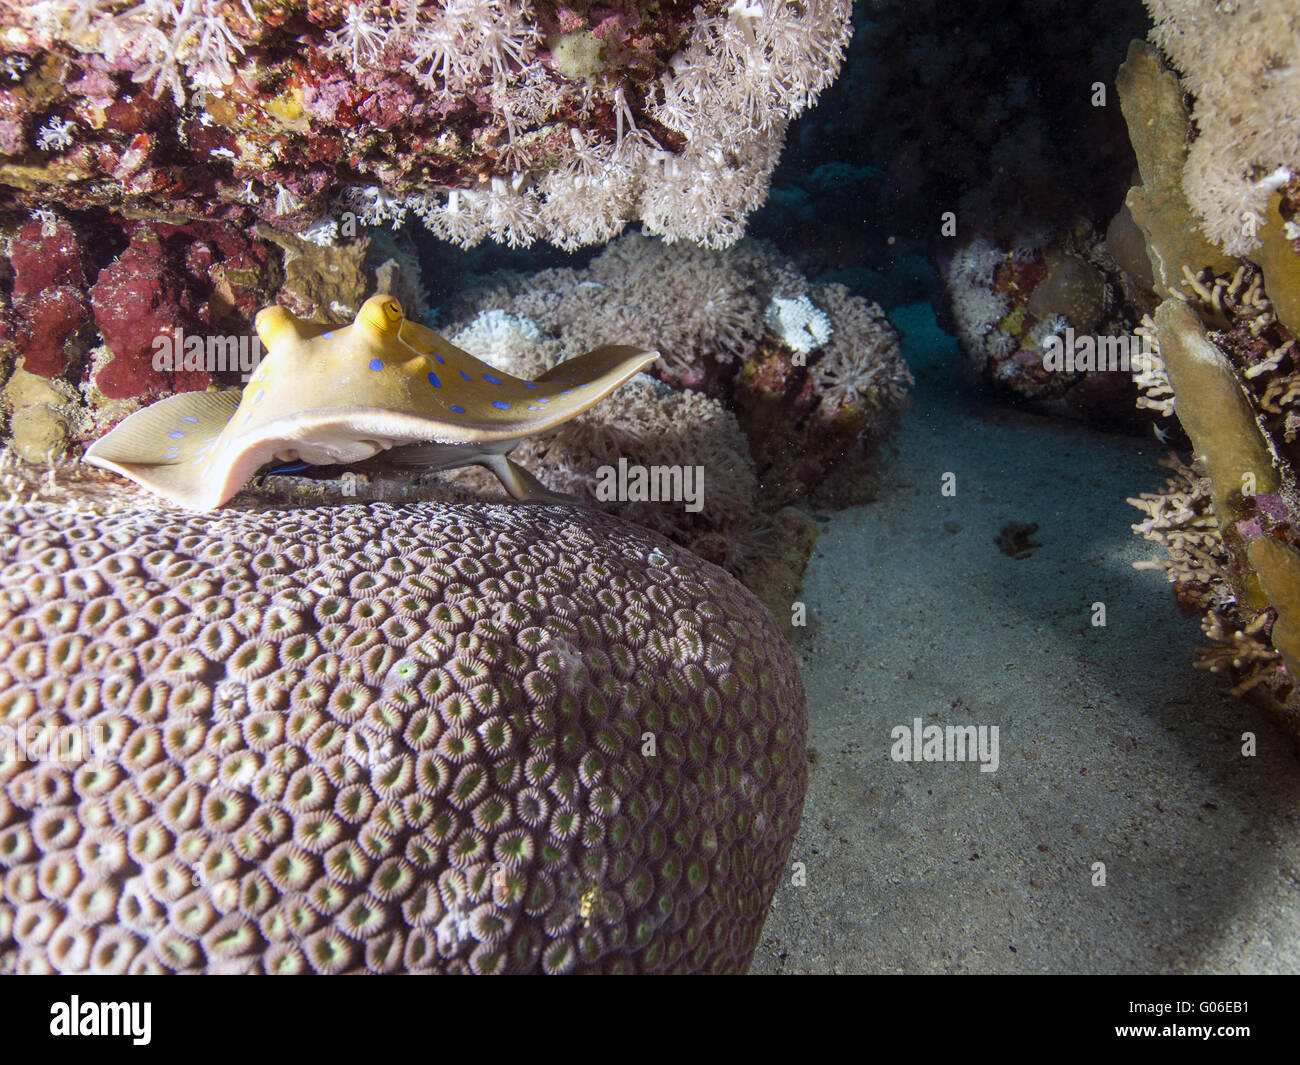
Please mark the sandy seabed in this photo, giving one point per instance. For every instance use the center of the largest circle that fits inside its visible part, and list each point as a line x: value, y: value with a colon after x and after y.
x: 1113, y: 749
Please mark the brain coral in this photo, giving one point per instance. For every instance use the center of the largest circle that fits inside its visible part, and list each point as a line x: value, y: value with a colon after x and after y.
x: 384, y: 738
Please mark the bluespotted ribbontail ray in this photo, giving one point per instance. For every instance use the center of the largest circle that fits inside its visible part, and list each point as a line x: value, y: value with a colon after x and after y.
x: 328, y: 396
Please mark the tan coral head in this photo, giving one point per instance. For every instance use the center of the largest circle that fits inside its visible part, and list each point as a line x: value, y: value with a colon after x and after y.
x: 330, y: 396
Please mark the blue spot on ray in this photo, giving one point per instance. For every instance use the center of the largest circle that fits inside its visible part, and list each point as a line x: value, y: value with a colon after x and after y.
x: 433, y: 380
x: 175, y: 434
x: 328, y: 335
x: 499, y: 405
x: 463, y: 374
x: 441, y: 360
x: 529, y: 384
x: 491, y: 380
x: 458, y: 410
x: 376, y: 364
x: 187, y: 418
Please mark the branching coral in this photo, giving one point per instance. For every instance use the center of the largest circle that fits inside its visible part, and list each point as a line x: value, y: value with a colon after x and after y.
x: 1243, y: 653
x: 1181, y: 519
x: 1197, y: 564
x: 1230, y: 534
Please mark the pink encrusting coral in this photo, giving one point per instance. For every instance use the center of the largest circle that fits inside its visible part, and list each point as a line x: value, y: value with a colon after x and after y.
x: 487, y: 118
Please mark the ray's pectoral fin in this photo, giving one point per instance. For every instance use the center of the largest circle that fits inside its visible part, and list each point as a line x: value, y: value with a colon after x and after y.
x: 615, y: 362
x: 162, y: 446
x: 167, y: 433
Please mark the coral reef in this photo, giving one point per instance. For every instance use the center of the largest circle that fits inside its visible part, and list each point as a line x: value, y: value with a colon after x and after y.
x: 498, y: 118
x: 384, y: 738
x: 1160, y: 127
x: 716, y: 319
x: 324, y: 281
x: 1228, y: 524
x: 91, y: 299
x: 1224, y: 357
x: 198, y: 278
x: 48, y: 306
x: 1016, y: 308
x: 1201, y: 573
x: 1239, y: 63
